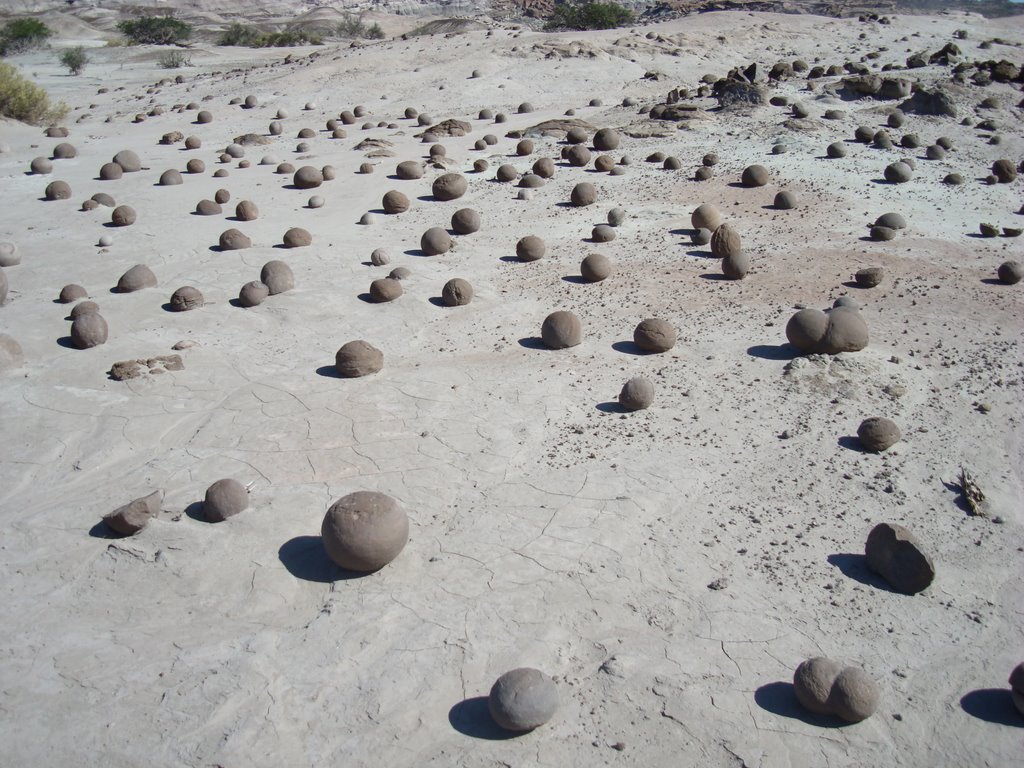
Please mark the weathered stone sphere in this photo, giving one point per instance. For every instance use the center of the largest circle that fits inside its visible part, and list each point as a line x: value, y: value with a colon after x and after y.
x: 530, y: 248
x: 531, y: 181
x: 195, y: 165
x: 394, y: 202
x: 1010, y: 272
x: 806, y: 330
x: 71, y: 293
x: 170, y: 178
x: 122, y: 216
x: 105, y: 241
x: 836, y: 150
x: 315, y: 201
x: 365, y: 531
x: 41, y: 166
x: 204, y: 117
x: 400, y: 273
x: 57, y: 190
x: 672, y: 163
x: 1004, y: 171
x: 523, y: 699
x: 595, y: 267
x: 703, y: 174
x: 706, y: 216
x: 576, y: 135
x: 754, y: 176
x: 846, y: 332
x: 896, y: 555
x: 222, y: 196
x: 524, y: 148
x: 89, y: 330
x: 308, y: 177
x: 379, y: 257
x: 616, y: 216
x: 111, y: 172
x: 449, y: 186
x: 506, y: 173
x: 701, y: 236
x: 606, y: 139
x: 544, y: 167
x: 637, y: 394
x: 9, y: 256
x: 457, y: 292
x: 297, y: 237
x: 277, y: 276
x: 878, y: 434
x: 186, y: 298
x: 128, y: 160
x: 358, y: 358
x: 891, y: 220
x: 208, y: 208
x: 385, y: 289
x: 435, y: 241
x: 869, y: 277
x: 602, y: 233
x: 366, y: 168
x: 725, y: 242
x: 898, y: 172
x: 225, y: 498
x: 234, y: 240
x: 785, y: 200
x: 409, y: 169
x: 578, y: 156
x: 854, y: 696
x: 481, y: 165
x: 193, y: 142
x: 812, y: 683
x: 135, y: 515
x: 654, y: 335
x: 253, y: 293
x: 583, y: 194
x: 246, y: 210
x: 465, y: 221
x: 135, y: 279
x: 736, y: 265
x: 561, y: 330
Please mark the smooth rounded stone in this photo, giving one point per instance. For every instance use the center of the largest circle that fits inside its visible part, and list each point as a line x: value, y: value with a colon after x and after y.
x: 225, y: 498
x: 465, y: 221
x: 490, y: 139
x: 365, y: 531
x: 725, y: 242
x: 637, y: 394
x: 135, y: 279
x: 315, y: 201
x: 524, y: 108
x: 785, y: 200
x: 878, y: 434
x: 891, y: 220
x: 524, y: 148
x: 754, y: 176
x: 329, y: 173
x: 583, y: 194
x: 128, y: 160
x: 57, y: 190
x: 910, y: 141
x: 438, y: 151
x: 602, y: 233
x: 170, y: 178
x: 846, y: 301
x: 525, y: 194
x: 953, y: 179
x: 253, y: 293
x: 523, y: 699
x: 530, y: 248
x: 105, y: 241
x: 863, y: 134
x: 208, y: 208
x: 186, y: 298
x: 561, y: 330
x: 204, y: 116
x: 277, y: 276
x: 595, y: 267
x: 836, y: 150
x: 706, y: 216
x: 869, y: 277
x: 41, y: 166
x: 506, y: 173
x: 896, y: 555
x: 1010, y: 272
x: 449, y: 186
x: 806, y: 330
x: 578, y: 156
x: 935, y: 152
x: 123, y: 216
x: 358, y: 358
x: 222, y: 196
x: 385, y: 289
x: 409, y: 170
x: 1004, y: 171
x: 896, y: 119
x: 135, y: 515
x: 881, y: 140
x: 435, y: 241
x: 380, y: 257
x: 812, y: 683
x: 854, y: 696
x: 395, y: 202
x: 193, y: 142
x: 246, y: 210
x: 234, y: 240
x: 71, y: 292
x: 103, y: 199
x: 576, y: 135
x: 275, y: 128
x: 882, y: 234
x: 457, y: 292
x: 736, y: 265
x: 89, y: 330
x: 110, y: 172
x: 297, y: 237
x: 898, y: 172
x: 308, y: 177
x: 368, y: 219
x: 481, y: 165
x: 846, y: 332
x: 544, y: 168
x: 195, y: 165
x: 654, y: 335
x: 909, y: 162
x: 400, y: 273
x: 9, y: 256
x: 606, y: 140
x: 11, y: 353
x: 616, y: 216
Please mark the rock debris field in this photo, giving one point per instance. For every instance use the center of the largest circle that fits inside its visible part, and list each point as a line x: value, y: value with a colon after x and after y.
x: 640, y: 397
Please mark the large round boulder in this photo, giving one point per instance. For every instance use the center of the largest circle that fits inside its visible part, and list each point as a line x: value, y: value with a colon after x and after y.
x: 365, y: 531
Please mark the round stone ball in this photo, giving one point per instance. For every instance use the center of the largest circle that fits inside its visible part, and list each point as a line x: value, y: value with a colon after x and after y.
x: 525, y: 194
x: 277, y: 276
x: 935, y: 152
x: 409, y: 170
x: 606, y: 140
x: 379, y: 257
x: 365, y: 531
x: 193, y: 142
x: 523, y: 699
x: 400, y: 273
x: 111, y: 172
x: 654, y: 335
x: 882, y: 140
x: 706, y: 216
x: 506, y: 173
x: 435, y: 241
x: 524, y: 148
x: 583, y: 194
x: 170, y: 178
x: 490, y: 139
x: 41, y: 166
x: 891, y: 220
x: 785, y: 200
x: 1004, y: 171
x: 1010, y: 272
x: 71, y: 293
x: 366, y: 168
x: 701, y: 236
x: 898, y: 173
x: 457, y: 292
x: 672, y: 163
x: 89, y: 330
x: 253, y: 293
x: 128, y: 160
x: 57, y: 190
x: 437, y: 151
x: 385, y: 289
x: 465, y: 221
x: 105, y: 241
x: 122, y: 216
x: 315, y: 201
x: 754, y: 176
x: 863, y: 134
x: 224, y: 499
x: 531, y: 181
x: 895, y: 554
x: 637, y: 394
x: 246, y: 210
x: 812, y: 683
x: 368, y: 219
x: 836, y: 149
x: 449, y: 186
x: 135, y: 279
x: 297, y: 237
x: 595, y: 267
x: 561, y: 330
x: 896, y: 119
x: 725, y: 242
x: 358, y: 358
x: 576, y: 135
x: 736, y: 265
x: 869, y: 277
x: 544, y: 167
x: 233, y: 240
x: 395, y: 202
x: 481, y: 165
x: 83, y: 308
x: 578, y: 156
x: 195, y: 165
x: 846, y: 332
x: 524, y: 108
x: 882, y: 234
x: 616, y: 216
x: 186, y: 298
x: 308, y: 177
x: 9, y: 256
x: 806, y: 330
x: 878, y: 434
x: 530, y: 248
x: 846, y: 301
x: 854, y: 695
x: 275, y: 128
x: 222, y: 196
x: 204, y: 117
x: 602, y: 233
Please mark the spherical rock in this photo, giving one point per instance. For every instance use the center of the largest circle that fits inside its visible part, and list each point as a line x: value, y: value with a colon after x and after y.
x: 9, y: 256
x: 57, y: 190
x: 297, y: 237
x: 308, y: 177
x: 204, y: 117
x: 561, y: 330
x: 365, y: 531
x: 111, y: 172
x: 193, y: 142
x: 869, y: 277
x: 754, y: 176
x: 394, y: 202
x: 135, y: 515
x: 530, y: 248
x: 246, y: 210
x: 701, y: 236
x: 881, y: 234
x: 854, y: 696
x: 595, y: 267
x: 457, y: 292
x: 234, y: 240
x: 523, y: 699
x: 898, y: 172
x: 506, y: 173
x: 846, y: 332
x: 385, y: 289
x: 654, y: 335
x: 544, y: 167
x: 1004, y: 171
x: 315, y: 201
x: 105, y: 241
x: 71, y: 293
x: 366, y: 168
x: 606, y: 139
x: 253, y: 293
x: 725, y: 242
x: 836, y: 150
x: 637, y: 394
x: 123, y: 216
x: 616, y: 217
x: 785, y: 200
x: 170, y: 178
x: 531, y: 181
x: 450, y: 186
x: 435, y: 241
x: 479, y: 166
x: 878, y: 434
x: 358, y: 358
x: 225, y: 498
x: 1010, y: 272
x: 222, y: 196
x: 602, y: 233
x: 400, y: 273
x: 736, y: 265
x: 83, y: 308
x: 128, y: 160
x: 806, y: 330
x: 135, y: 279
x: 465, y: 221
x: 895, y: 554
x: 524, y: 148
x: 672, y: 163
x: 706, y: 216
x: 584, y: 194
x: 891, y: 220
x: 379, y: 257
x: 89, y: 330
x: 812, y: 683
x: 186, y: 298
x: 195, y: 165
x: 578, y: 156
x: 409, y: 169
x: 277, y: 276
x: 208, y: 208
x: 41, y: 166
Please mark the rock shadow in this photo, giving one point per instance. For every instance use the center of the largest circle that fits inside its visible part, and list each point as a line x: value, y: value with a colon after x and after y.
x: 851, y: 443
x: 103, y: 531
x: 306, y: 559
x: 993, y: 705
x: 533, y: 342
x: 779, y: 698
x: 472, y: 717
x: 855, y: 566
x: 774, y: 351
x: 630, y: 348
x: 611, y: 406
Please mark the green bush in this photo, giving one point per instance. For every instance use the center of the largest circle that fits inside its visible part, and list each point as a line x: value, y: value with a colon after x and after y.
x: 353, y: 26
x: 155, y: 30
x: 250, y: 37
x: 74, y: 59
x: 589, y: 15
x: 21, y: 35
x: 174, y: 60
x: 24, y: 100
x: 239, y: 34
x: 374, y: 32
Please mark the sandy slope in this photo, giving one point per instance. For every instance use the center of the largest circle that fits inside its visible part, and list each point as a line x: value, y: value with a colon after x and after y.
x: 548, y: 529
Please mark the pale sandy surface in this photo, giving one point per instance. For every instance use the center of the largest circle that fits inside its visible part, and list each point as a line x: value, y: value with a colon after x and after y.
x: 547, y: 529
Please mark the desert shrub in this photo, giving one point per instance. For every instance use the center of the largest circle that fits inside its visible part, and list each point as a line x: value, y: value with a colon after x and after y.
x: 374, y: 32
x: 240, y: 34
x: 23, y: 100
x: 251, y: 37
x: 155, y: 30
x: 352, y: 26
x: 174, y: 60
x: 74, y: 59
x: 589, y: 15
x: 21, y: 35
